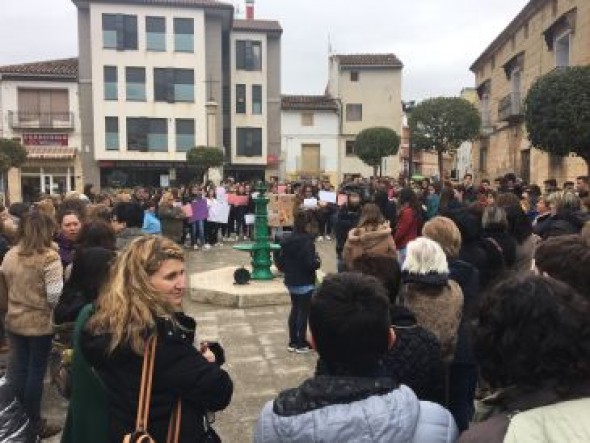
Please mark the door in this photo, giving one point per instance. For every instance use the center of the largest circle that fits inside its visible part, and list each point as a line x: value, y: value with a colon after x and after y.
x: 525, y: 165
x: 310, y: 159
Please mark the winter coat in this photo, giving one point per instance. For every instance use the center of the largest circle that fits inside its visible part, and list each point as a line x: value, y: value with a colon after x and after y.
x: 374, y: 242
x: 408, y: 226
x: 437, y: 303
x: 172, y: 220
x: 29, y: 309
x: 467, y: 277
x: 505, y: 241
x: 180, y: 371
x: 544, y: 415
x: 415, y: 358
x: 564, y: 223
x: 432, y: 205
x: 126, y: 236
x: 345, y: 221
x: 353, y: 409
x: 151, y: 223
x: 297, y: 259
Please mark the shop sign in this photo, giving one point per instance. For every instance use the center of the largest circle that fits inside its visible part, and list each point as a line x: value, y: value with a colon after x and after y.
x: 45, y: 139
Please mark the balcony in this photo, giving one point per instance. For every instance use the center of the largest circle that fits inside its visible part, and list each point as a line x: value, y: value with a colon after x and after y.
x: 510, y: 108
x: 41, y: 120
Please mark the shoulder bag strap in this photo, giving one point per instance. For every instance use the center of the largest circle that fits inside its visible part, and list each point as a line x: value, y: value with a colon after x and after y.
x: 174, y: 425
x: 145, y: 389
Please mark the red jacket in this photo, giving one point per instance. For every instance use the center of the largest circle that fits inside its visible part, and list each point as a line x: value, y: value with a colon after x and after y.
x: 407, y: 228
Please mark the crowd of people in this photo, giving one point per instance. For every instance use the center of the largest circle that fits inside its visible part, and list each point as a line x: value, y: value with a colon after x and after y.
x: 458, y: 312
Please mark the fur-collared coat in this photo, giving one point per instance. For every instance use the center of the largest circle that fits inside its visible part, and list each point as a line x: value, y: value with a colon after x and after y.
x: 371, y: 242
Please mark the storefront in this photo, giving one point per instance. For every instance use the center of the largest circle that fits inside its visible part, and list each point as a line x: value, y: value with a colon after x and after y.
x: 128, y: 174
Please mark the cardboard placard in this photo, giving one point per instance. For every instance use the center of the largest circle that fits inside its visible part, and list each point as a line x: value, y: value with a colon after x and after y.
x: 219, y: 212
x: 327, y: 196
x: 188, y: 210
x: 200, y: 211
x: 280, y: 210
x: 310, y: 203
x: 249, y: 219
x: 342, y: 199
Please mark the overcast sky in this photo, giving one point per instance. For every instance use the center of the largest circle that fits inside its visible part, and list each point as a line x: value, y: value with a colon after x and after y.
x: 437, y: 40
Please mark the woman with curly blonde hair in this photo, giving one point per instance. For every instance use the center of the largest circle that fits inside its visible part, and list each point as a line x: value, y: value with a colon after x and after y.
x: 143, y: 299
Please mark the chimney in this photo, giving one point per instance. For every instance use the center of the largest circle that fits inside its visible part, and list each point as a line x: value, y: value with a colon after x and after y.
x: 249, y: 9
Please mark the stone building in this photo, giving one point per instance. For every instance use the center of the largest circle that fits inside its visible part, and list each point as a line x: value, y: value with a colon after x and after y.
x: 545, y: 35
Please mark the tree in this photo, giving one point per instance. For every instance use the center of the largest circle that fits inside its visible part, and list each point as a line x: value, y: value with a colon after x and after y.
x: 12, y: 155
x: 557, y: 112
x: 201, y: 158
x: 372, y: 144
x: 442, y: 124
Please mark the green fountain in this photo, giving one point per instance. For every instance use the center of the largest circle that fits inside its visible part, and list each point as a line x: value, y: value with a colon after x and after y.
x: 262, y: 247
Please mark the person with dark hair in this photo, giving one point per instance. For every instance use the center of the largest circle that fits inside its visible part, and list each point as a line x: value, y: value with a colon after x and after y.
x: 90, y: 193
x: 415, y: 357
x: 151, y: 223
x: 566, y: 258
x: 497, y: 238
x: 520, y: 229
x: 96, y: 233
x: 582, y: 186
x: 127, y: 222
x: 532, y: 342
x: 550, y: 185
x: 347, y: 218
x: 352, y: 397
x: 69, y: 222
x: 469, y: 189
x: 566, y: 216
x: 372, y: 236
x: 298, y: 260
x: 387, y: 207
x: 432, y: 200
x: 409, y: 222
x: 448, y: 201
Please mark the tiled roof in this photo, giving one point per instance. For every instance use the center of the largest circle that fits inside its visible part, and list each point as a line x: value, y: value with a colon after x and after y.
x: 308, y: 102
x: 62, y: 68
x: 187, y: 3
x: 50, y: 152
x: 257, y: 26
x: 379, y: 60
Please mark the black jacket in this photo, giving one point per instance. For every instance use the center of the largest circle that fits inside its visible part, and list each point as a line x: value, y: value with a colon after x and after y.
x: 345, y: 221
x: 505, y: 241
x: 564, y: 223
x: 415, y: 359
x: 180, y: 371
x: 297, y: 259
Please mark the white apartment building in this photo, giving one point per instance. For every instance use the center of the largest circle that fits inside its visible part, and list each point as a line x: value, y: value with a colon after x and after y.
x: 367, y: 88
x: 39, y: 107
x: 157, y: 77
x: 310, y: 138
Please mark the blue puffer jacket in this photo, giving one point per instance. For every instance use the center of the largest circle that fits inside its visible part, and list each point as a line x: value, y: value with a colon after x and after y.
x: 330, y: 409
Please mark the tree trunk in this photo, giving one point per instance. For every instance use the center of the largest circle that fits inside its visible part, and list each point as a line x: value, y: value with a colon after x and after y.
x: 440, y: 165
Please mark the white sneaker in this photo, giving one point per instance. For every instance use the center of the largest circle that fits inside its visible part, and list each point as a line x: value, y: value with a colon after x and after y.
x: 328, y: 238
x: 207, y: 246
x: 219, y: 244
x: 196, y: 247
x: 320, y: 238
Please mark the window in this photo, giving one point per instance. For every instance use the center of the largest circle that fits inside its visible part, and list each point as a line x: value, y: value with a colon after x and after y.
x: 354, y: 76
x: 119, y: 31
x: 111, y: 125
x: 184, y: 35
x: 44, y: 108
x: 562, y: 50
x: 350, y: 147
x: 354, y: 113
x: 135, y: 78
x: 155, y: 33
x: 147, y: 134
x: 525, y: 30
x: 307, y: 119
x: 249, y: 142
x: 483, y: 157
x: 240, y: 99
x: 110, y: 83
x: 174, y: 85
x: 185, y: 134
x: 256, y: 99
x: 248, y: 55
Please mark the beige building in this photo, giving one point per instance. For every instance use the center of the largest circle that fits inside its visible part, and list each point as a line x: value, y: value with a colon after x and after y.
x: 160, y: 77
x: 367, y: 88
x: 545, y: 35
x: 39, y: 108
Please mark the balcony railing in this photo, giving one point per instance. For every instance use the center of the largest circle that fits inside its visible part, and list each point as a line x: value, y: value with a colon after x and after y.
x: 41, y: 120
x: 510, y: 107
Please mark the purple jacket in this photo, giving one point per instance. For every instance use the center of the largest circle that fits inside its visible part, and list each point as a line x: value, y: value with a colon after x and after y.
x: 66, y: 249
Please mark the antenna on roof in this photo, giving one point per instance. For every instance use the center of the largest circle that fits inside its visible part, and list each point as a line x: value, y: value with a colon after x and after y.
x: 330, y: 48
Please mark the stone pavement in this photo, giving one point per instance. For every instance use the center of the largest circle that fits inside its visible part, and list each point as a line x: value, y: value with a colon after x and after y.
x: 255, y: 342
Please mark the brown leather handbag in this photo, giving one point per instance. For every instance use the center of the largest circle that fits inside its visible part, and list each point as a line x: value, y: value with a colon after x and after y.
x: 140, y: 435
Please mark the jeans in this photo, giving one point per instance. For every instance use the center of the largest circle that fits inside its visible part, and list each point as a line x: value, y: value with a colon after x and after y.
x: 198, y: 230
x: 298, y: 319
x: 462, y: 384
x: 26, y: 370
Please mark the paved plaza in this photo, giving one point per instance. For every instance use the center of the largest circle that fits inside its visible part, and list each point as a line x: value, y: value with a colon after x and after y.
x: 255, y: 342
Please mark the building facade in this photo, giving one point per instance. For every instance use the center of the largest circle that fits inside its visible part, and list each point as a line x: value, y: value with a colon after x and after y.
x: 310, y: 138
x: 545, y: 35
x: 39, y: 108
x: 367, y: 88
x: 159, y: 77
